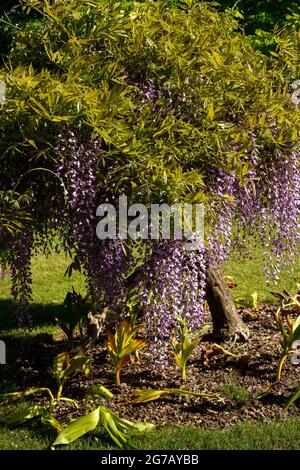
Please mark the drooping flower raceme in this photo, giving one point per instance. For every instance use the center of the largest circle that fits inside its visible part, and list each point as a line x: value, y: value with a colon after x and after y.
x: 266, y: 205
x: 103, y: 260
x: 173, y: 292
x: 279, y: 191
x: 222, y: 186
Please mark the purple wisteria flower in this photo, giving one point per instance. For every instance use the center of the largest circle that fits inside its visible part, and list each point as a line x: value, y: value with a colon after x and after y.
x: 174, y: 291
x: 103, y: 260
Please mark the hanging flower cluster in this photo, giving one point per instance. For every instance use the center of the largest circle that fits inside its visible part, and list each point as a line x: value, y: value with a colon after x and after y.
x: 266, y: 205
x: 222, y: 186
x: 173, y: 291
x: 103, y: 260
x: 279, y: 192
x: 111, y: 276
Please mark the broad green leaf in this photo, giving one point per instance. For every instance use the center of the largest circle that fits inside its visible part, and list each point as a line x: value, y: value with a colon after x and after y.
x: 23, y: 414
x: 136, y: 426
x: 78, y: 428
x: 78, y: 363
x: 109, y: 422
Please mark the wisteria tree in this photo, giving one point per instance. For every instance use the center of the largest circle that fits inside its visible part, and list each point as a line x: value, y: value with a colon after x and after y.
x: 164, y: 105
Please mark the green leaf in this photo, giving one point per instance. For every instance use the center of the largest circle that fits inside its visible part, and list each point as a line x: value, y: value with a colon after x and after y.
x: 211, y: 111
x: 99, y: 390
x: 294, y: 336
x: 108, y: 421
x: 293, y: 398
x: 143, y: 396
x: 40, y: 109
x: 23, y: 414
x: 78, y: 428
x: 49, y: 419
x: 81, y: 362
x: 296, y: 324
x: 120, y: 429
x: 25, y: 393
x: 60, y: 364
x: 136, y: 426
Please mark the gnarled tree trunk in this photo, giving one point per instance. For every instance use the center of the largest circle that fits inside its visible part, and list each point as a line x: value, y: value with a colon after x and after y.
x: 227, y: 324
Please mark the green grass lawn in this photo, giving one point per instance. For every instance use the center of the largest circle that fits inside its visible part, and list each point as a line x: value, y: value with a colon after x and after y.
x: 250, y: 277
x: 49, y: 290
x: 282, y: 435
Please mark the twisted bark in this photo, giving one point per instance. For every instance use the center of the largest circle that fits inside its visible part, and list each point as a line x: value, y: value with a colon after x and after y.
x: 227, y: 324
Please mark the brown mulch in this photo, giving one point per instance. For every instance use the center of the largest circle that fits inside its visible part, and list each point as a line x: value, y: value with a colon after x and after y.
x: 254, y: 374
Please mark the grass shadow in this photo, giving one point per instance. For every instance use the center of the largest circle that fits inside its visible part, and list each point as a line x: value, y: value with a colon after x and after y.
x: 42, y: 314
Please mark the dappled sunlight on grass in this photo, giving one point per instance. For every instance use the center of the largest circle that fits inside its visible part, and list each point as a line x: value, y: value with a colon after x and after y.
x: 250, y: 277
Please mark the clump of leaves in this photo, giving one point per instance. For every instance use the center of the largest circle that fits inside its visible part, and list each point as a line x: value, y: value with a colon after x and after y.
x: 122, y: 345
x: 247, y: 301
x: 183, y: 347
x: 120, y: 430
x: 14, y: 211
x: 235, y: 392
x: 73, y: 314
x: 289, y: 327
x: 63, y: 367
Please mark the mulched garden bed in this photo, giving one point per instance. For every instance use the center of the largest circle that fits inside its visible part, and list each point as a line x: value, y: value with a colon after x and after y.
x: 254, y: 374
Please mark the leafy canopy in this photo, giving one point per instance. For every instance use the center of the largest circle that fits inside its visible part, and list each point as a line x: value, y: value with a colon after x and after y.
x: 83, y: 65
